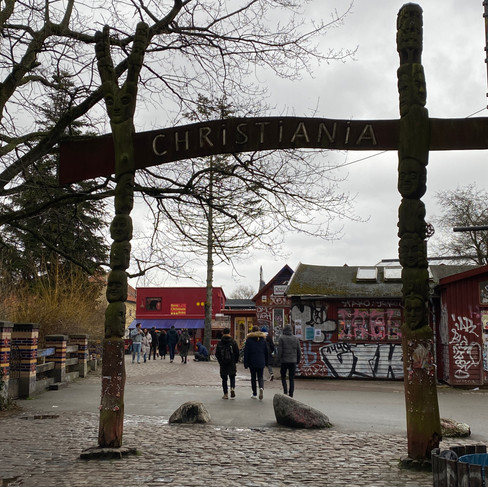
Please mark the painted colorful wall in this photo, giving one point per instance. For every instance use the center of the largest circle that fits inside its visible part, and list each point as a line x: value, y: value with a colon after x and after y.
x: 349, y: 338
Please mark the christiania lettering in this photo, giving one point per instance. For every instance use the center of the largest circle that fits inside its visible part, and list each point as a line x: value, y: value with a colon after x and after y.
x: 238, y: 135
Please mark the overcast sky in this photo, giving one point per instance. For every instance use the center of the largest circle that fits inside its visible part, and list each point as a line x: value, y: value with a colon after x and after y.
x: 366, y: 89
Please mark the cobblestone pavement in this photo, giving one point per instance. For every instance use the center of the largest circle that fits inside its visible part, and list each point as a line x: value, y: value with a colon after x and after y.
x: 44, y: 450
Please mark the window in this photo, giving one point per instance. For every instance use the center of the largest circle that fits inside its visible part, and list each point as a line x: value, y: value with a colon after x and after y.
x: 278, y: 318
x: 153, y: 304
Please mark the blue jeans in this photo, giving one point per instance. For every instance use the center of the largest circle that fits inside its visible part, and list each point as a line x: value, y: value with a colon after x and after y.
x: 136, y: 349
x: 172, y: 351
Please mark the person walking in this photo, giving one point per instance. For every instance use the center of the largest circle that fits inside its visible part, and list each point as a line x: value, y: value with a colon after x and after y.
x: 154, y: 343
x: 146, y: 345
x: 227, y: 354
x: 163, y: 344
x: 184, y: 345
x: 256, y: 358
x: 172, y: 340
x: 136, y: 336
x: 289, y: 355
x: 271, y: 350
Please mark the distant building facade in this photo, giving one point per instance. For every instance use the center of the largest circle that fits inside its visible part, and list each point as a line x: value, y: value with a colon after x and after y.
x: 349, y: 319
x: 181, y: 307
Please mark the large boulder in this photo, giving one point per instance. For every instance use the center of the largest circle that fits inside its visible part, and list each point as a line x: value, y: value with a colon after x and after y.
x: 452, y: 429
x: 191, y: 412
x: 295, y: 414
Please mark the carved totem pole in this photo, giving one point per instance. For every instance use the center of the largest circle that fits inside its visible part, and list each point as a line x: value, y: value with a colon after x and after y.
x: 423, y: 422
x: 121, y: 104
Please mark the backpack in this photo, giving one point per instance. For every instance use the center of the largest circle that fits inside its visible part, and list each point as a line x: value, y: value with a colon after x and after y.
x: 227, y: 354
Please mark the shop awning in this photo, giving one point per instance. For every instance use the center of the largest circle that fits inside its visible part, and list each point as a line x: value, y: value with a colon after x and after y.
x: 166, y: 324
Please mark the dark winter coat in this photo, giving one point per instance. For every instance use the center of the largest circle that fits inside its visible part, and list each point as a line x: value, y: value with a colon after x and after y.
x: 270, y: 344
x: 256, y: 351
x: 227, y: 369
x: 289, y: 347
x: 154, y: 338
x: 163, y: 343
x: 172, y: 337
x: 184, y: 344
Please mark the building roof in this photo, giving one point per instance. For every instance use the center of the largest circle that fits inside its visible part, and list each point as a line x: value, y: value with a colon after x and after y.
x: 240, y: 304
x: 442, y: 271
x: 465, y: 273
x: 328, y: 281
x: 357, y: 282
x: 282, y: 276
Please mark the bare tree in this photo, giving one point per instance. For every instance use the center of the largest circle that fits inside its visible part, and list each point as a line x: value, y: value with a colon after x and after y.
x: 462, y: 207
x: 194, y: 46
x: 243, y: 292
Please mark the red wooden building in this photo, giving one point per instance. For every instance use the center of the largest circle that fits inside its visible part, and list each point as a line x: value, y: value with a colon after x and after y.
x: 462, y: 334
x: 181, y: 307
x: 349, y: 321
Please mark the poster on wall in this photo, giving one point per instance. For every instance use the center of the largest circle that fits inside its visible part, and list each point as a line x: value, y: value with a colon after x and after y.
x: 484, y: 292
x: 318, y: 336
x: 484, y: 320
x: 309, y: 333
x: 298, y: 330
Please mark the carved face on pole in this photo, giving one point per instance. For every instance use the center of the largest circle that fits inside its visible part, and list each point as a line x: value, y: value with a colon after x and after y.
x: 117, y: 286
x: 411, y: 217
x: 415, y: 312
x: 412, y: 177
x: 120, y: 106
x: 412, y: 251
x: 120, y: 255
x: 115, y: 320
x: 412, y: 88
x: 121, y: 228
x: 124, y: 194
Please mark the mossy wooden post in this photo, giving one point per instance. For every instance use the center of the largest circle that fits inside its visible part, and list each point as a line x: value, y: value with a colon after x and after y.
x: 422, y: 409
x: 121, y: 104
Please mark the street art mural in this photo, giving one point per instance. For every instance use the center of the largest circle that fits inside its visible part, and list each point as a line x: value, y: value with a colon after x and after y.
x: 484, y: 325
x: 273, y: 315
x: 352, y: 360
x: 378, y: 324
x: 350, y: 338
x: 465, y: 342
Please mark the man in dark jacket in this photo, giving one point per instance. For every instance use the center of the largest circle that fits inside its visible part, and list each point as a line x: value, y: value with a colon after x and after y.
x: 227, y: 354
x: 289, y: 355
x: 163, y: 344
x: 256, y: 358
x: 172, y: 339
x: 154, y: 342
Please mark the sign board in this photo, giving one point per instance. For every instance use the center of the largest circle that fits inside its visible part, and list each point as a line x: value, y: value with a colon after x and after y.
x: 85, y: 158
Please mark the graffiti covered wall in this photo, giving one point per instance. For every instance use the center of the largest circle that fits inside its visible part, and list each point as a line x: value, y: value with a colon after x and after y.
x: 349, y: 339
x: 343, y: 360
x: 466, y: 349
